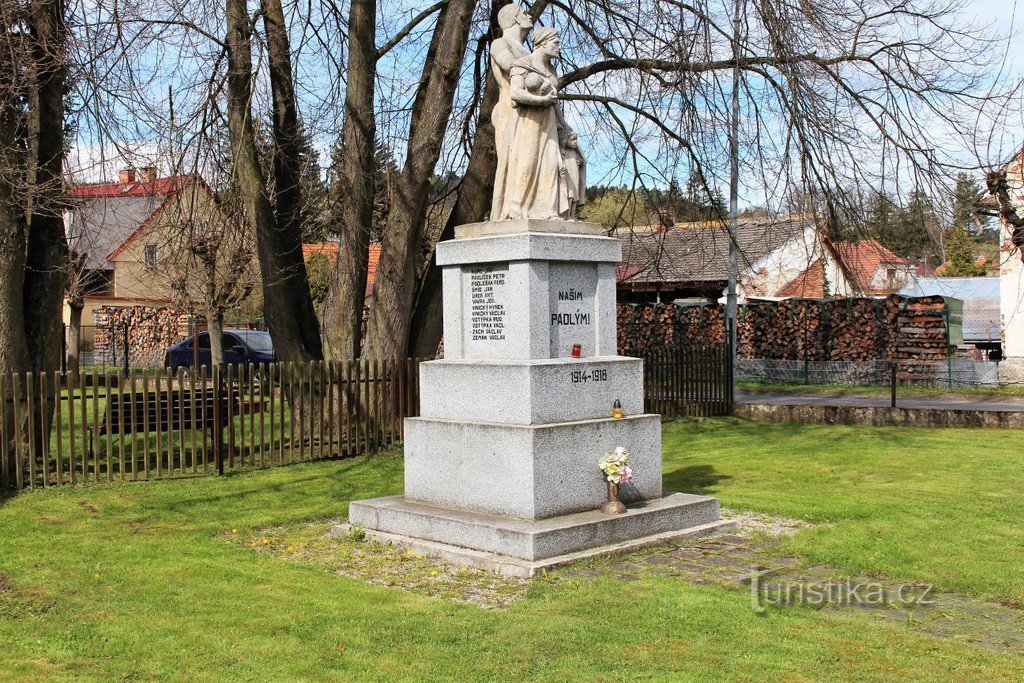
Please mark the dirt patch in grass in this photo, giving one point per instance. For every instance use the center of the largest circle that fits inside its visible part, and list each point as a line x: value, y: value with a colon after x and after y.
x: 383, y: 564
x: 753, y: 523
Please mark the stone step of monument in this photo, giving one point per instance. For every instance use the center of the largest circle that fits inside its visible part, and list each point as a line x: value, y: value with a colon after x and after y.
x: 531, y: 392
x: 513, y: 226
x: 520, y: 547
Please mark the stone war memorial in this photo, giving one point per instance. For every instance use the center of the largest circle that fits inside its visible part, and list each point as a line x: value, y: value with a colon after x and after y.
x: 502, y: 466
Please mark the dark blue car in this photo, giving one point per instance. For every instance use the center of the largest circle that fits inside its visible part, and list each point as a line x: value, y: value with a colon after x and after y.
x: 241, y: 347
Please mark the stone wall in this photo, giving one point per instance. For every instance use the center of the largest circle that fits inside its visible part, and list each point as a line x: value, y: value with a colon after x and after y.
x: 149, y: 329
x: 852, y: 329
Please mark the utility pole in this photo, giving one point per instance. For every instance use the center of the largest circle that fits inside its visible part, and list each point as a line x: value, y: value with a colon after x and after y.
x: 734, y: 192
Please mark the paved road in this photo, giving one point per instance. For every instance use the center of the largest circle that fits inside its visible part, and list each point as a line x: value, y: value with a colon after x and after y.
x: 944, y: 402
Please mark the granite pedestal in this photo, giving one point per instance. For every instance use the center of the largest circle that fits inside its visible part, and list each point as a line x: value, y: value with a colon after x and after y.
x: 501, y: 466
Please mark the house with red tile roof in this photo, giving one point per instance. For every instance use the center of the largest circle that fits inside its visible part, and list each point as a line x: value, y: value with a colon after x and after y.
x: 862, y: 268
x: 123, y: 230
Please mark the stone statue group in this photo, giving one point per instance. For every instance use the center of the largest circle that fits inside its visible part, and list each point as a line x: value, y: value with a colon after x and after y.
x: 541, y: 173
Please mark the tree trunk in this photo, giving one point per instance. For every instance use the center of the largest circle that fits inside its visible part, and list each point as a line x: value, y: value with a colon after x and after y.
x: 471, y: 206
x: 215, y: 327
x: 47, y: 243
x: 13, y: 349
x: 288, y: 305
x: 74, y: 340
x: 394, y: 296
x: 344, y: 310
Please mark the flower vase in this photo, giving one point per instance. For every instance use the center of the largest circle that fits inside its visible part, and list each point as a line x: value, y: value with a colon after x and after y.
x: 614, y: 506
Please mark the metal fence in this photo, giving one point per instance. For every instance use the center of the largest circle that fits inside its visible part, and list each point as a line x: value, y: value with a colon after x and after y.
x: 693, y: 380
x: 953, y: 373
x: 92, y: 426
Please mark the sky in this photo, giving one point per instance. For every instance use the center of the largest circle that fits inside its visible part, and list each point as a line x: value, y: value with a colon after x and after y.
x: 1004, y: 14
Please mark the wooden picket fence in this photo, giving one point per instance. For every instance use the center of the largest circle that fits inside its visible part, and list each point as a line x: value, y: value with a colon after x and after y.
x: 151, y: 423
x: 692, y: 380
x: 92, y: 427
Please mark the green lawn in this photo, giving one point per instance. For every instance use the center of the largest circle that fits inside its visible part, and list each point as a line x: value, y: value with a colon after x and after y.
x: 140, y: 581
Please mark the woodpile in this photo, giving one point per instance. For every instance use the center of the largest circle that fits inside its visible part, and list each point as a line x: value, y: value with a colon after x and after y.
x: 855, y: 329
x: 149, y: 331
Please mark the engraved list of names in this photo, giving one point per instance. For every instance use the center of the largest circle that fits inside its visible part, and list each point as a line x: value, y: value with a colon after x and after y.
x: 487, y: 303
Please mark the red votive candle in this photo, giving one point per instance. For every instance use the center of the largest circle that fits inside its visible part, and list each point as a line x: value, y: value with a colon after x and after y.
x: 577, y: 350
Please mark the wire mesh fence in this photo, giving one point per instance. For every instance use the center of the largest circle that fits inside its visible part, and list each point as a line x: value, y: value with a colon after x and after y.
x: 953, y: 373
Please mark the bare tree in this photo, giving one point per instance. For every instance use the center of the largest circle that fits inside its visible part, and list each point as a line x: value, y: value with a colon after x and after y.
x: 289, y: 308
x: 211, y: 264
x: 32, y: 240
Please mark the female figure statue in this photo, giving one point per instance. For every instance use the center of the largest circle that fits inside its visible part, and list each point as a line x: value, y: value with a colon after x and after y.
x: 515, y: 23
x: 533, y: 179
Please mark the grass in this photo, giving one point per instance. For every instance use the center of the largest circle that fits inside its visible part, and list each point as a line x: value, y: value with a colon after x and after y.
x: 937, y: 505
x: 147, y: 580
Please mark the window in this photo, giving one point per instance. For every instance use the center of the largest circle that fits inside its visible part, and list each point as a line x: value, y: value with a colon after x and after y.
x: 891, y: 273
x: 229, y: 342
x: 150, y: 256
x: 204, y: 341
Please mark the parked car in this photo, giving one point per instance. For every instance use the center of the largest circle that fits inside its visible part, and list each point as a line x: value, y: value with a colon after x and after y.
x: 241, y: 347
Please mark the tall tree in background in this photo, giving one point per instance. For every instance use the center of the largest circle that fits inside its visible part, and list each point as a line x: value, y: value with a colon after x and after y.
x: 962, y: 254
x: 276, y: 225
x: 387, y: 334
x: 344, y: 311
x: 966, y: 194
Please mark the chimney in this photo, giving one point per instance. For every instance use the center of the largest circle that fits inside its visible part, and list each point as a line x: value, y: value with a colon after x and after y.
x: 148, y: 174
x: 666, y: 221
x: 126, y: 176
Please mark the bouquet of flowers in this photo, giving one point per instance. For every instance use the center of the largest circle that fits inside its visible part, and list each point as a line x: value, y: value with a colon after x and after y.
x: 615, y: 465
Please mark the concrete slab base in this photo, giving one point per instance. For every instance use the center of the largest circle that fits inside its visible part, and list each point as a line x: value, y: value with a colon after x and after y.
x: 518, y: 547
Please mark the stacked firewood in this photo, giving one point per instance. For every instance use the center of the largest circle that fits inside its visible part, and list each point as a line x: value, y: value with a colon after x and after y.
x: 798, y: 329
x: 148, y: 330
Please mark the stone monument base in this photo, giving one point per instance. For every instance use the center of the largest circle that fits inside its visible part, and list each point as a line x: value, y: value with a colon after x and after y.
x: 517, y: 547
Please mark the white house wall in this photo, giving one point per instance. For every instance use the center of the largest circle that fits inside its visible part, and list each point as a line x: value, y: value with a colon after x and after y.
x: 769, y: 274
x: 772, y: 272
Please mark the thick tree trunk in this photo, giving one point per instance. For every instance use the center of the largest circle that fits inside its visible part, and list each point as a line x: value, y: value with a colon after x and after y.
x: 395, y: 288
x: 344, y: 311
x: 13, y: 349
x: 288, y: 305
x: 471, y: 206
x: 47, y: 242
x: 288, y: 200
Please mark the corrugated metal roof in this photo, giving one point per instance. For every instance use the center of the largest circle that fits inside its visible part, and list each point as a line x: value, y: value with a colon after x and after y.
x: 981, y: 303
x: 957, y: 287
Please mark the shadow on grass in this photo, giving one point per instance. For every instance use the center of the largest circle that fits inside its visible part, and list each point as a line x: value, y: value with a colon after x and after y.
x: 697, y: 479
x: 358, y: 477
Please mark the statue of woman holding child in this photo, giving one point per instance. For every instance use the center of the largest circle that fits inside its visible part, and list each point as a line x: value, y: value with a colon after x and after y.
x: 541, y: 172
